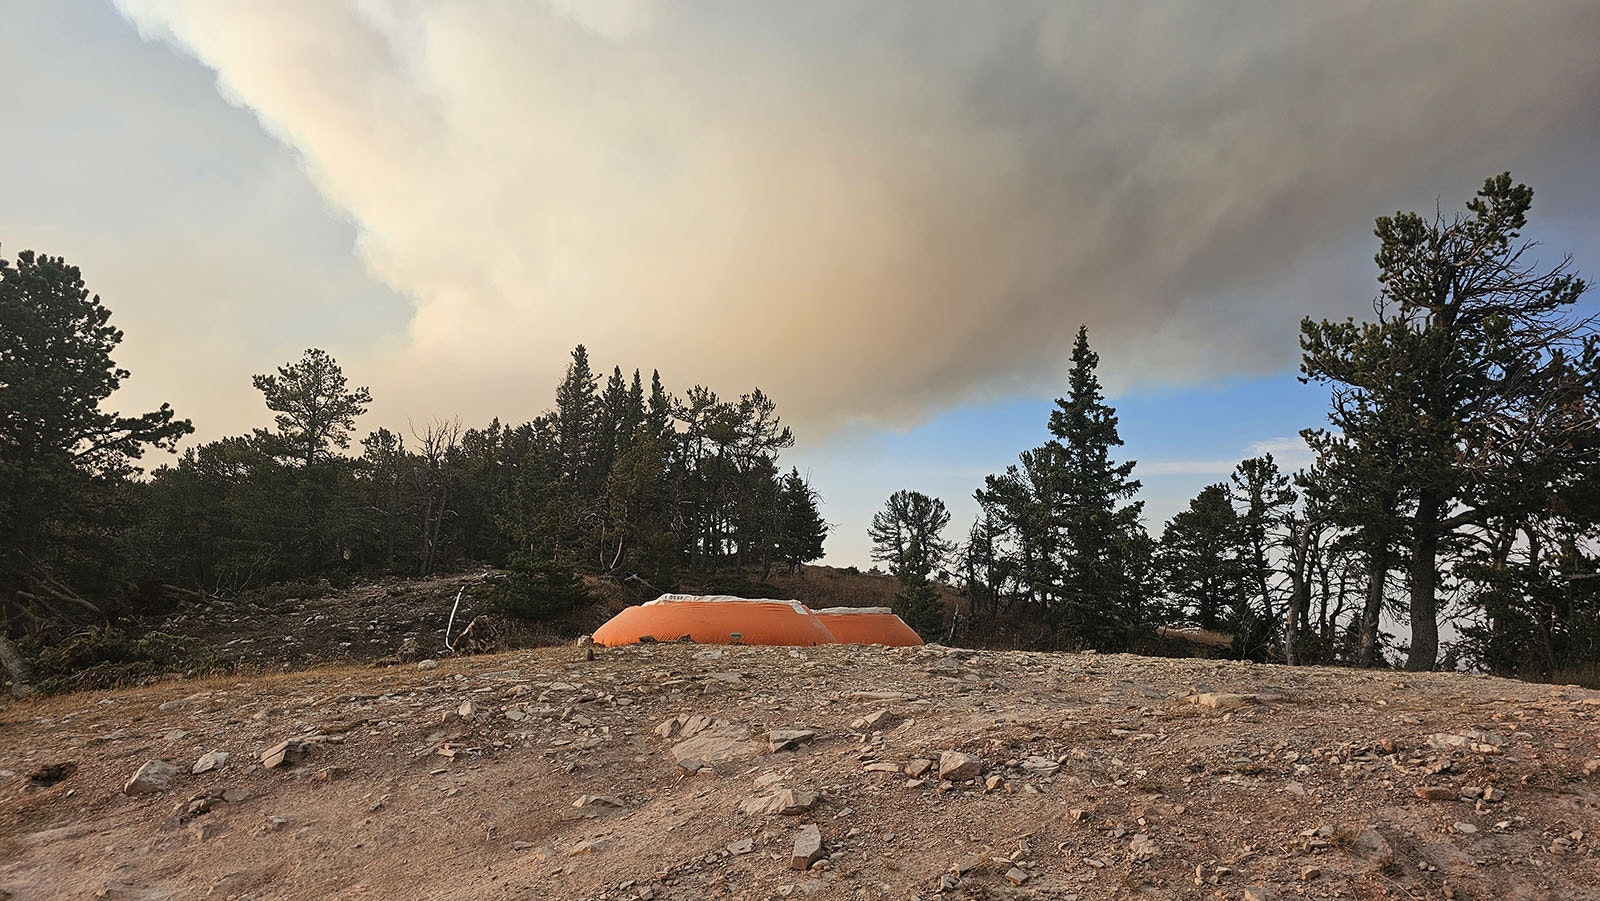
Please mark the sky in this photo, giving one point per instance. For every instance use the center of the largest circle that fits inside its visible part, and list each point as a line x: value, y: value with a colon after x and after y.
x: 892, y: 216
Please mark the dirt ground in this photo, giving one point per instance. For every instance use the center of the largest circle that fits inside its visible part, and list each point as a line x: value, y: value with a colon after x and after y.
x: 650, y: 772
x: 356, y: 625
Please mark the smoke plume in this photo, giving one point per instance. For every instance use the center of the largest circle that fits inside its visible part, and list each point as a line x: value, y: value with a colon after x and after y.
x: 875, y: 209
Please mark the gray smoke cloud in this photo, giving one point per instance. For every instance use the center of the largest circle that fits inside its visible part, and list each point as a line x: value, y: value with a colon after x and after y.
x: 875, y: 209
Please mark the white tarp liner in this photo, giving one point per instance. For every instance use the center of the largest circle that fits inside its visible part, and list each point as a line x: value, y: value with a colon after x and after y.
x: 724, y: 599
x: 837, y: 611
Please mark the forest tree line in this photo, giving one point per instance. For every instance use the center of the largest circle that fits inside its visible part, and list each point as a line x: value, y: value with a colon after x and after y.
x: 1456, y: 478
x: 618, y: 480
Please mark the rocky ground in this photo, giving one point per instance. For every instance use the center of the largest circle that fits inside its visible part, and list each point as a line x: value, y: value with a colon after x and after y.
x: 684, y: 772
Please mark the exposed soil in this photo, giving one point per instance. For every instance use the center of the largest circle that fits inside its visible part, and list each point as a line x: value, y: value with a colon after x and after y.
x: 361, y: 624
x: 1097, y: 777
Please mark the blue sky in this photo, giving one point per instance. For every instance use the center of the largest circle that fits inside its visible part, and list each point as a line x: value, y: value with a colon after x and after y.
x: 891, y: 216
x: 1182, y: 438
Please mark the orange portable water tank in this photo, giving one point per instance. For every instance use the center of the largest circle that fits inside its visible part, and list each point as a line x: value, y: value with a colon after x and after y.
x: 715, y: 620
x: 868, y: 625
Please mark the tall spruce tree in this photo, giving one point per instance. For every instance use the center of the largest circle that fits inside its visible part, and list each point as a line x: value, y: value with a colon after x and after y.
x: 1077, y: 552
x: 576, y: 423
x: 1102, y: 544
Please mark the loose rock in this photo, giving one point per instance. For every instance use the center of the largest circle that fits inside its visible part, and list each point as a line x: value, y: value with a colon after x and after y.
x: 807, y: 847
x: 959, y: 767
x: 1141, y: 849
x: 209, y: 761
x: 287, y: 753
x: 155, y: 776
x: 788, y: 739
x: 589, y: 846
x: 1224, y: 701
x: 791, y: 803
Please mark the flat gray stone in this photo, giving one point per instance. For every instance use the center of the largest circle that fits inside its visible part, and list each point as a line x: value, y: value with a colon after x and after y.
x: 789, y: 739
x: 1217, y: 700
x: 209, y: 761
x: 591, y: 846
x: 792, y: 803
x: 807, y: 847
x: 714, y: 746
x: 287, y: 753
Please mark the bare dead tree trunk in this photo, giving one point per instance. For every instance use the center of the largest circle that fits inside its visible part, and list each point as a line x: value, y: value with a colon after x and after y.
x: 1300, y: 594
x: 440, y: 441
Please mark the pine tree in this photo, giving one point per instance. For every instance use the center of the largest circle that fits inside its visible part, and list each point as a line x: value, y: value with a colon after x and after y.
x: 1474, y: 370
x: 906, y: 534
x: 801, y: 529
x: 62, y: 456
x: 1266, y: 500
x: 1200, y: 564
x: 316, y: 410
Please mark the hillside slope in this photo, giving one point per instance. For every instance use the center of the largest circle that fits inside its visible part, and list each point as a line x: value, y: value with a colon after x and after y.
x: 651, y: 772
x: 370, y: 621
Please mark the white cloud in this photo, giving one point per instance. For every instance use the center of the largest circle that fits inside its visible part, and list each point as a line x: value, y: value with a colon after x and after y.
x: 1219, y: 468
x: 1289, y: 453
